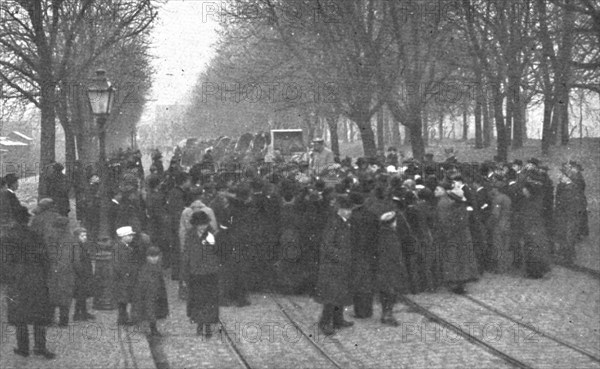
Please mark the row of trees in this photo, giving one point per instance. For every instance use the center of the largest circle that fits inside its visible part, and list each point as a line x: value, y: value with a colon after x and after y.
x: 50, y: 48
x: 414, y: 60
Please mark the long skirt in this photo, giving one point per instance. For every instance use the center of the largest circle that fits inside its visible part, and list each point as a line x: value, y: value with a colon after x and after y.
x: 203, y: 299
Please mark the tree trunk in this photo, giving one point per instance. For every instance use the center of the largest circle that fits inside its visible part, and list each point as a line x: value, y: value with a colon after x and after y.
x: 415, y: 132
x: 368, y: 138
x: 508, y: 118
x: 396, y: 139
x: 547, y: 124
x: 380, y: 128
x: 478, y: 133
x: 516, y: 114
x: 441, y: 128
x: 332, y: 123
x: 502, y: 143
x: 48, y: 132
x: 425, y: 128
x: 564, y: 65
x: 465, y: 131
x: 547, y: 53
x: 487, y: 126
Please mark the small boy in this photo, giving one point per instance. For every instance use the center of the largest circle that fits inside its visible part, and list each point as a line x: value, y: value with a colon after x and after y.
x: 150, y: 301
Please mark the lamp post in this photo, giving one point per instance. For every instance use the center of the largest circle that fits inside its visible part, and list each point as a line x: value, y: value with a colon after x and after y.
x: 101, y: 96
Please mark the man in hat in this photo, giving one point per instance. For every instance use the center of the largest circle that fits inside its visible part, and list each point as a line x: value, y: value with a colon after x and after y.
x: 57, y: 188
x: 126, y: 270
x: 333, y: 286
x: 11, y: 210
x: 517, y: 166
x: 364, y: 228
x: 321, y: 157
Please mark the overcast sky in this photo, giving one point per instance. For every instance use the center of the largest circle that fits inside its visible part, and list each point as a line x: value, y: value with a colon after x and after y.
x: 182, y: 42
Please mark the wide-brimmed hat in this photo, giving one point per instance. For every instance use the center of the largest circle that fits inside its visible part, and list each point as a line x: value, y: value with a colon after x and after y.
x: 125, y: 231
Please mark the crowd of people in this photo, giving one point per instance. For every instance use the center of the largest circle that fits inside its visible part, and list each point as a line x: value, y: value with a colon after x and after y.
x: 342, y: 232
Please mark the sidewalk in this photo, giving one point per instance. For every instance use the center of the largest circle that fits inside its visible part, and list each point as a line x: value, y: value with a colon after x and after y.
x: 95, y: 344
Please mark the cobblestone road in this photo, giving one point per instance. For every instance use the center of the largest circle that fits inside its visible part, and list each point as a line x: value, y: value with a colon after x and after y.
x: 95, y: 344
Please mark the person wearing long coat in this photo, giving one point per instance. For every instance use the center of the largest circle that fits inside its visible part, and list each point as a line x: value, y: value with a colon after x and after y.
x: 158, y: 220
x: 537, y: 246
x: 150, y: 301
x: 27, y: 297
x: 44, y: 217
x: 177, y: 200
x: 127, y: 262
x: 61, y: 281
x: 499, y: 225
x: 200, y: 272
x: 84, y: 276
x: 391, y: 277
x: 458, y: 262
x: 334, y: 277
x: 568, y: 204
x: 291, y: 269
x: 364, y: 257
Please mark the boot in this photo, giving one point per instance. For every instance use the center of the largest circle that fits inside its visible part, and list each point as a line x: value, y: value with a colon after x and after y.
x: 387, y: 318
x: 123, y: 318
x: 338, y: 319
x: 39, y: 336
x: 64, y: 316
x: 326, y: 321
x: 363, y: 305
x: 154, y: 331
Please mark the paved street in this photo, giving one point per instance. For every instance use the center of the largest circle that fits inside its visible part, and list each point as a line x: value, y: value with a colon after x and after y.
x: 512, y: 321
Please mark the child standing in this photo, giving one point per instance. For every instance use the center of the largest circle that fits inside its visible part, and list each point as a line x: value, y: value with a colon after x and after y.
x: 150, y: 300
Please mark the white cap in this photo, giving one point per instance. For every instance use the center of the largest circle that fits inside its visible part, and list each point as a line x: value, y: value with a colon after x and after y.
x: 125, y: 231
x: 388, y: 217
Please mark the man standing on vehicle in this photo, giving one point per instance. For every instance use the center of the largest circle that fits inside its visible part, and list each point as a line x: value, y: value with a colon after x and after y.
x: 321, y: 157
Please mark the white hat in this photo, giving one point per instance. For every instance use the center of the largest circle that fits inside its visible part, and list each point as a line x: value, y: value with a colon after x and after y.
x: 388, y: 217
x: 125, y: 231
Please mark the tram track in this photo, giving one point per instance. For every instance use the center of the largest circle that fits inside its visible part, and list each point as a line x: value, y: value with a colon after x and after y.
x: 461, y: 332
x: 580, y: 269
x: 515, y: 353
x: 309, y: 337
x: 573, y: 347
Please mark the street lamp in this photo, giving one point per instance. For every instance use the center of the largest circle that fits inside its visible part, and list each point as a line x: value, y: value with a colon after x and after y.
x: 101, y: 97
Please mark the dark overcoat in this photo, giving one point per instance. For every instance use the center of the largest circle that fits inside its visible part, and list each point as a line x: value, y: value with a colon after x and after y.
x: 82, y: 265
x: 61, y: 280
x: 364, y: 250
x: 28, y: 266
x: 453, y: 234
x: 150, y: 300
x: 568, y: 205
x: 334, y: 277
x: 126, y: 270
x: 537, y: 246
x: 392, y: 277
